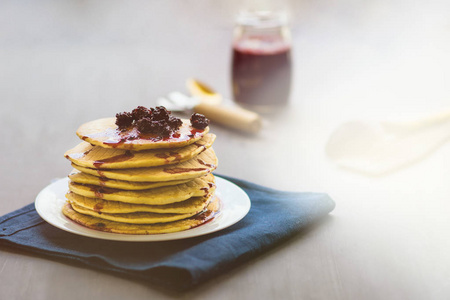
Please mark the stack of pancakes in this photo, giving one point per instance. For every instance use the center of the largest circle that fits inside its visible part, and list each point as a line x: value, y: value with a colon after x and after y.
x: 131, y: 184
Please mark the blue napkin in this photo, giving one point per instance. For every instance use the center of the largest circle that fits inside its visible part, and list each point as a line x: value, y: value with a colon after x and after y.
x: 175, y: 265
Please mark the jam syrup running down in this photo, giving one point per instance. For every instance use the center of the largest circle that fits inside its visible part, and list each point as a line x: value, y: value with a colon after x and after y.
x: 118, y: 158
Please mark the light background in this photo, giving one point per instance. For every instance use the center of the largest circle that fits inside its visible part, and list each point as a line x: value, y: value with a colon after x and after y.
x: 66, y: 62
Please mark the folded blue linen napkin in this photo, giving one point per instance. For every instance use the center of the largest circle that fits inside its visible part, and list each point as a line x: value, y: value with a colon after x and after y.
x: 180, y: 264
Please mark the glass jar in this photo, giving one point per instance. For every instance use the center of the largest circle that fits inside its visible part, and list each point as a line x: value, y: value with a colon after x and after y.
x: 261, y: 62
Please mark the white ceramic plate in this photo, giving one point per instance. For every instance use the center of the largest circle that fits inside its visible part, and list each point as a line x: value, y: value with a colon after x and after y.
x: 235, y: 205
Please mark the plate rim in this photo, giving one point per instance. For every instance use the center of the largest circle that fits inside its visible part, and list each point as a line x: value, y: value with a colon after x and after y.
x: 224, y: 220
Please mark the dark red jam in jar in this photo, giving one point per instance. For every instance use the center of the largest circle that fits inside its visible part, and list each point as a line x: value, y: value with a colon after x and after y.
x: 261, y: 63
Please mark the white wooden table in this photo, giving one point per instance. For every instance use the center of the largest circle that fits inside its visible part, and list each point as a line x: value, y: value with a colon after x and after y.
x: 66, y: 62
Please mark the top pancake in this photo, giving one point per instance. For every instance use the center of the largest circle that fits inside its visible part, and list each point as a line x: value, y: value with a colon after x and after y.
x: 105, y: 133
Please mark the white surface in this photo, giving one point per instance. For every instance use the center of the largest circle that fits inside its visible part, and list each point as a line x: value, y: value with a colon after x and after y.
x: 235, y: 205
x: 63, y: 63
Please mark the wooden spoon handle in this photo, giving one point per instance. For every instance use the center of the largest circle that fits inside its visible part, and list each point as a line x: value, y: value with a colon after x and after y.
x: 233, y: 117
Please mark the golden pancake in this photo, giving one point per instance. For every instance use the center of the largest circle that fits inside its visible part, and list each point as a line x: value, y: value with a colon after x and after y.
x: 191, y: 205
x: 105, y: 133
x: 118, y: 227
x: 133, y: 218
x: 83, y: 178
x: 86, y: 155
x: 198, y: 187
x: 201, y: 165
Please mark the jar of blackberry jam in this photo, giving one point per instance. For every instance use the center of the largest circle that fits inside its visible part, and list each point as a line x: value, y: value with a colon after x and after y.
x: 261, y: 62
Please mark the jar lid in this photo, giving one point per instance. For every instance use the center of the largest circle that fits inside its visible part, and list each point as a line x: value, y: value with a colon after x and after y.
x: 262, y: 19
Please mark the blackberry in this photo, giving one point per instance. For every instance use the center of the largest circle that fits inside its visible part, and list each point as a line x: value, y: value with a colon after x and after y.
x: 164, y: 130
x: 124, y: 120
x: 174, y: 122
x: 141, y: 112
x: 199, y: 121
x: 145, y: 125
x: 160, y: 113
